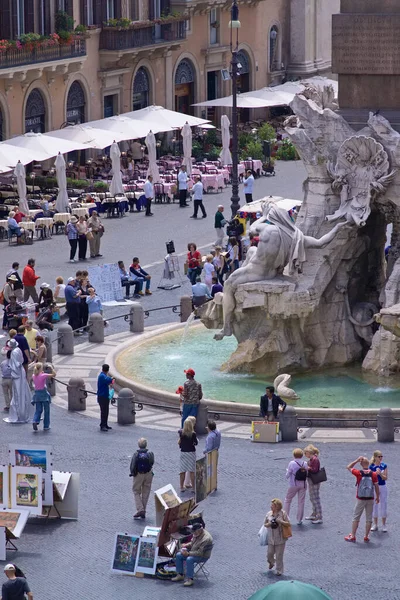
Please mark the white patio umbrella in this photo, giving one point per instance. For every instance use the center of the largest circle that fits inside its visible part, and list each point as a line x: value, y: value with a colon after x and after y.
x: 116, y: 186
x: 62, y: 202
x: 226, y: 157
x: 150, y: 142
x: 10, y: 155
x: 122, y: 128
x: 84, y: 136
x: 40, y: 146
x: 161, y: 119
x: 242, y: 102
x: 20, y: 175
x: 187, y: 148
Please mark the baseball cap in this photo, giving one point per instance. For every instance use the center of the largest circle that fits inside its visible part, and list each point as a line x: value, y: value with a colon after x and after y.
x: 190, y: 372
x: 71, y: 279
x: 9, y: 567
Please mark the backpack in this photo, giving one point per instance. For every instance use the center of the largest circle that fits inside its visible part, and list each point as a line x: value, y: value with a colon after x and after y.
x: 301, y: 474
x: 366, y: 486
x: 143, y: 462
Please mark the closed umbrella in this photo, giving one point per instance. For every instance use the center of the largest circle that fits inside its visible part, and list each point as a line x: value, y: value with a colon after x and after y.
x: 290, y: 590
x: 62, y: 202
x: 187, y: 148
x: 20, y: 175
x: 226, y: 156
x: 116, y: 186
x: 150, y: 142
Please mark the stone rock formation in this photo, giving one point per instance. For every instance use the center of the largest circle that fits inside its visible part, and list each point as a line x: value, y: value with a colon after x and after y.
x: 321, y: 315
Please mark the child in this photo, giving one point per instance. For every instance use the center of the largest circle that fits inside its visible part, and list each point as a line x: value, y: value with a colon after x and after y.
x: 41, y: 396
x: 209, y: 271
x: 94, y: 302
x: 217, y: 287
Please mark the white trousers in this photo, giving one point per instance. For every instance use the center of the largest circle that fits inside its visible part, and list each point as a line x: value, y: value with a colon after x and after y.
x: 380, y: 510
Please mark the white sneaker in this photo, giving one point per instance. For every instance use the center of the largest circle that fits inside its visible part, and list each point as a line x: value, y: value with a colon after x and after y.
x: 384, y: 529
x: 317, y: 521
x: 311, y: 518
x: 72, y: 260
x: 374, y: 527
x: 299, y: 522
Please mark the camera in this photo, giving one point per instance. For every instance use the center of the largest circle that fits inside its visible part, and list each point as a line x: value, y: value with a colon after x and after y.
x: 274, y: 524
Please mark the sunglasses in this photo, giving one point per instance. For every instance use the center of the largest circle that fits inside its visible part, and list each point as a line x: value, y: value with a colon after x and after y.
x: 379, y: 456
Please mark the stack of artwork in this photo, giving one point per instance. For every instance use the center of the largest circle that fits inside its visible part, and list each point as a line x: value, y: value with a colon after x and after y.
x: 206, y: 475
x: 134, y: 554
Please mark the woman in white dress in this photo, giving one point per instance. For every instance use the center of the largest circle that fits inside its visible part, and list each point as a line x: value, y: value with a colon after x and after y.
x: 20, y: 407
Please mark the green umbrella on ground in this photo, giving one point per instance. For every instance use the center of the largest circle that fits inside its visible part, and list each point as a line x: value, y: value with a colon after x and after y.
x: 290, y: 590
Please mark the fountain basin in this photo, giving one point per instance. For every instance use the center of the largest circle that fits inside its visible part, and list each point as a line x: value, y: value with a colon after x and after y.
x: 152, y: 366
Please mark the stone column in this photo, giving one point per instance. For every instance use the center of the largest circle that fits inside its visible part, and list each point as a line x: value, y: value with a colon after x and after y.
x: 76, y: 394
x: 126, y: 407
x: 288, y: 424
x: 96, y: 328
x: 302, y: 37
x: 201, y: 419
x: 65, y: 339
x: 385, y: 421
x: 136, y: 318
x: 169, y: 82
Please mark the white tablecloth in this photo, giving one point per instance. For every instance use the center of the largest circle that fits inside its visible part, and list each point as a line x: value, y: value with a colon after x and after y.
x: 44, y: 222
x: 28, y: 225
x: 80, y: 212
x: 63, y: 217
x: 4, y: 223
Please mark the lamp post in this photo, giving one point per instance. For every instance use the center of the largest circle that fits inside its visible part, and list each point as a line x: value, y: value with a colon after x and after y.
x: 234, y: 23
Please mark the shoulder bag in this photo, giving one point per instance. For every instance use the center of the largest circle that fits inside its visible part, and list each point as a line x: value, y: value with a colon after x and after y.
x: 318, y: 477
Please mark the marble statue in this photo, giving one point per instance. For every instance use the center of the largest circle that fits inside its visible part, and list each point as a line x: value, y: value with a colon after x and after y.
x: 282, y: 389
x: 281, y: 244
x: 361, y: 171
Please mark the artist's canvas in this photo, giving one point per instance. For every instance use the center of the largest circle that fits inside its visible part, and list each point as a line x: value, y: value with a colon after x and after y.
x: 201, y: 479
x: 125, y: 553
x: 4, y: 486
x: 168, y: 496
x: 26, y: 489
x: 146, y: 561
x: 60, y: 482
x: 212, y: 471
x: 14, y: 521
x: 27, y: 455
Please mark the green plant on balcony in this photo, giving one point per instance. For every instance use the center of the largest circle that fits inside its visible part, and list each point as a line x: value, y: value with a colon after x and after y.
x: 119, y: 23
x: 80, y: 29
x: 63, y: 21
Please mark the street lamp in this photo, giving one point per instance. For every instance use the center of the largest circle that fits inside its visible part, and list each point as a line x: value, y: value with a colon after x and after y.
x: 234, y: 23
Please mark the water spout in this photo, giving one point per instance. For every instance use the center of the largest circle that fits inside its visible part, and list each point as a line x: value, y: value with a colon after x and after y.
x: 188, y: 323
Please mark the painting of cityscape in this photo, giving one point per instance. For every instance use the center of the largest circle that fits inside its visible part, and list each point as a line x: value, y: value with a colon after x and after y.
x: 125, y: 553
x: 26, y: 488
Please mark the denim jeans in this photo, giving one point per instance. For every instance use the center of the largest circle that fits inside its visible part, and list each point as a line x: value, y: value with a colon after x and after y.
x: 191, y: 561
x: 140, y: 281
x: 192, y: 274
x: 42, y: 406
x: 189, y: 410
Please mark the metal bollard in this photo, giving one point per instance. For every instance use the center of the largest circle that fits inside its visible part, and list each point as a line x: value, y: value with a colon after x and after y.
x: 65, y: 343
x: 136, y: 318
x: 76, y: 397
x: 288, y: 424
x: 385, y: 421
x: 201, y: 419
x: 96, y: 328
x: 126, y: 407
x: 186, y: 308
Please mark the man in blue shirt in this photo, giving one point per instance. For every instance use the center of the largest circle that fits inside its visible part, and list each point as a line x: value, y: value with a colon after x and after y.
x: 213, y: 440
x: 200, y: 289
x: 103, y: 396
x: 73, y: 304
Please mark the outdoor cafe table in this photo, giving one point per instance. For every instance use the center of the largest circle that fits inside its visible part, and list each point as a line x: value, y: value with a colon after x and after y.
x: 213, y: 181
x: 61, y: 218
x: 83, y: 210
x: 31, y: 225
x: 44, y: 224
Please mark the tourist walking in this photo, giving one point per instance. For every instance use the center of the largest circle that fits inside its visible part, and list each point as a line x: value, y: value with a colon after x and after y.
x: 209, y: 271
x: 312, y: 454
x: 141, y: 470
x: 72, y: 235
x: 187, y: 442
x: 83, y: 284
x: 275, y: 520
x: 41, y: 397
x: 6, y: 381
x: 271, y: 404
x: 73, y: 302
x: 20, y: 407
x: 16, y: 585
x: 191, y: 395
x: 248, y: 183
x: 104, y: 381
x: 219, y: 224
x: 296, y: 473
x: 198, y: 550
x: 82, y: 239
x: 367, y: 482
x: 29, y: 279
x: 193, y: 261
x: 380, y: 510
x: 182, y: 186
x: 213, y: 439
x: 96, y: 229
x: 148, y: 191
x: 198, y: 190
x: 219, y: 264
x: 8, y: 291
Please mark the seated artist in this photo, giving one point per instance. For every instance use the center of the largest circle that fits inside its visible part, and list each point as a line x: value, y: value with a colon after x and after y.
x: 197, y: 551
x: 271, y: 404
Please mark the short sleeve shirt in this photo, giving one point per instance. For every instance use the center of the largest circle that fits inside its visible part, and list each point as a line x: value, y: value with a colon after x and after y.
x: 358, y: 475
x: 382, y: 467
x: 15, y: 589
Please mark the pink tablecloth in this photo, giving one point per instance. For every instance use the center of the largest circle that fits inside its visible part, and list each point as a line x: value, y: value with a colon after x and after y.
x: 257, y: 165
x: 213, y: 181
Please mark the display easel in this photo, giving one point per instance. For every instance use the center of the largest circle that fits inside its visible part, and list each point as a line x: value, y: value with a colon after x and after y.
x: 171, y: 270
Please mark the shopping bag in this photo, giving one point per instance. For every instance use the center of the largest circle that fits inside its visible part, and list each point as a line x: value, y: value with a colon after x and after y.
x: 263, y: 536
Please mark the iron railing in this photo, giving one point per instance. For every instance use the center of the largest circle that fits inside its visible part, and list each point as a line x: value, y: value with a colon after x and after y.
x: 15, y: 57
x: 125, y: 39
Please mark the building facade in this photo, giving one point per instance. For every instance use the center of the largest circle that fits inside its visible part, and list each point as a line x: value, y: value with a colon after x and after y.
x: 128, y: 54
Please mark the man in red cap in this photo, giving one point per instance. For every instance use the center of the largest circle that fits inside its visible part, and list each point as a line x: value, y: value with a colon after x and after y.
x: 191, y: 395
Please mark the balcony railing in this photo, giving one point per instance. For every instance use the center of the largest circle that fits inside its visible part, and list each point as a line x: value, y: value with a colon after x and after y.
x: 126, y: 39
x: 15, y: 57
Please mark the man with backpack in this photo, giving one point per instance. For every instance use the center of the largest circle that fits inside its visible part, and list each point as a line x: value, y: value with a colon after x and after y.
x: 367, y: 483
x: 141, y: 470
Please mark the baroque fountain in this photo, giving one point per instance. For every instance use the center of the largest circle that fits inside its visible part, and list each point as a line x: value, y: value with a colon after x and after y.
x: 317, y: 293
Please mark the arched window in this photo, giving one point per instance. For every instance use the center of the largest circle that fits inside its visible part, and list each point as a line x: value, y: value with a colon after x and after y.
x: 185, y: 78
x: 185, y: 73
x: 141, y: 89
x: 35, y: 112
x: 243, y: 60
x: 76, y: 104
x: 274, y: 59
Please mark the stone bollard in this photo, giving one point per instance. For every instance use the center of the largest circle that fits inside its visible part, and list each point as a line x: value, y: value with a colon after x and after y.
x: 385, y: 427
x: 76, y: 397
x: 126, y: 407
x: 51, y: 384
x: 96, y: 328
x: 186, y: 308
x: 49, y: 346
x: 288, y: 424
x: 65, y: 343
x: 201, y: 419
x: 136, y: 319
